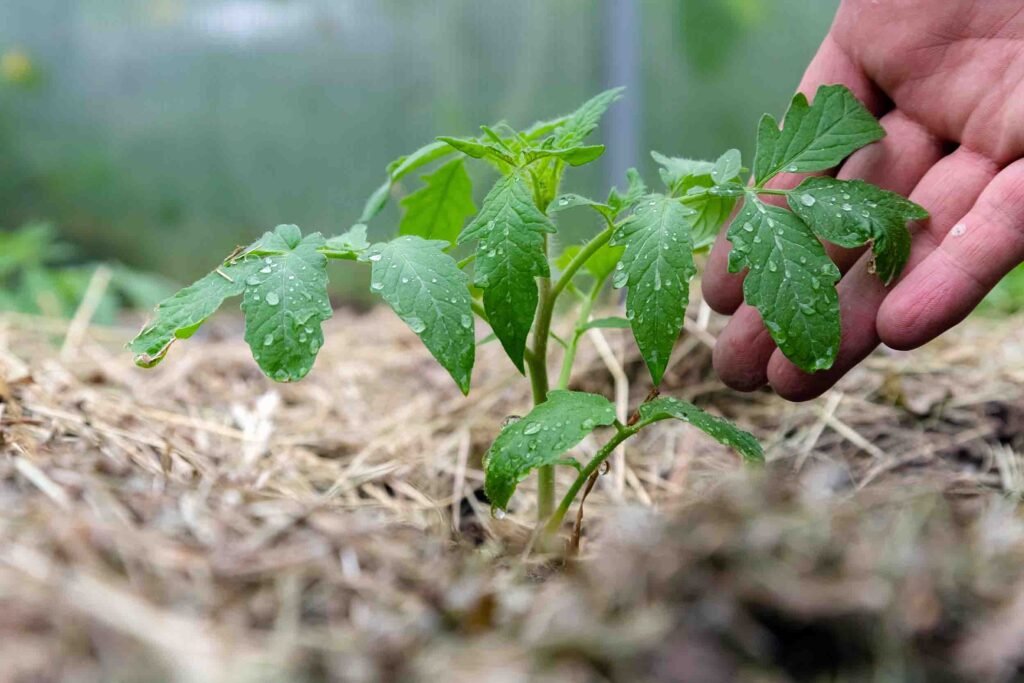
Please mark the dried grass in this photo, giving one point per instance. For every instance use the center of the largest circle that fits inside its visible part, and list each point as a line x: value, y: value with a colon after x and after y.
x: 198, y: 523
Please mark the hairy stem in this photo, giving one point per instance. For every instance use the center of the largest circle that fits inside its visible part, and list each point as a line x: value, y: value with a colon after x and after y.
x: 622, y: 433
x: 537, y: 367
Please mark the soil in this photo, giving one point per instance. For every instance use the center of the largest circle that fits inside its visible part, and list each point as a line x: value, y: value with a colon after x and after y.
x: 199, y: 523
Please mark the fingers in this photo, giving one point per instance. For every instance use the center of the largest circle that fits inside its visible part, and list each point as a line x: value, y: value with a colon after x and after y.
x: 948, y: 190
x: 896, y: 163
x: 970, y: 259
x: 723, y: 290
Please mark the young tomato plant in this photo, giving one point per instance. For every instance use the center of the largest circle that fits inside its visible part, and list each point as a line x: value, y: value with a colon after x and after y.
x: 645, y: 242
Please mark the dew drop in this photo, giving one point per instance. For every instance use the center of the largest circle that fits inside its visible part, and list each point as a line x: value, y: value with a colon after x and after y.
x: 252, y: 281
x: 563, y: 202
x: 265, y: 269
x: 748, y: 227
x: 959, y: 230
x: 587, y: 424
x: 375, y: 257
x: 497, y: 513
x: 415, y: 324
x: 273, y: 299
x: 807, y: 200
x: 847, y: 207
x: 532, y: 428
x: 268, y: 340
x: 467, y: 321
x: 793, y: 168
x: 376, y: 285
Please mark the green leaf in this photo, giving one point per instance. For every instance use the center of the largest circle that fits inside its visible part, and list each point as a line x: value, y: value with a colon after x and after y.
x: 584, y: 120
x: 851, y: 213
x: 720, y: 429
x: 510, y: 255
x: 601, y: 263
x: 284, y: 303
x: 398, y: 169
x: 477, y: 150
x: 179, y: 316
x: 612, y: 323
x: 676, y: 170
x: 709, y: 214
x: 657, y: 265
x: 791, y: 282
x: 376, y: 202
x: 635, y: 189
x: 574, y: 156
x: 439, y: 209
x: 540, y: 438
x: 424, y: 286
x: 570, y: 201
x: 727, y: 168
x: 347, y: 246
x: 403, y: 166
x: 814, y: 137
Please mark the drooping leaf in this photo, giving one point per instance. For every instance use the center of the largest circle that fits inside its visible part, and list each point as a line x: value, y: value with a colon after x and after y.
x: 510, y: 231
x: 426, y: 289
x: 814, y: 137
x: 376, y: 202
x: 657, y: 266
x: 540, y: 438
x: 179, y: 316
x: 584, y: 120
x: 285, y: 301
x: 347, y: 246
x: 398, y: 169
x: 720, y: 429
x: 852, y: 213
x: 791, y: 282
x: 439, y: 209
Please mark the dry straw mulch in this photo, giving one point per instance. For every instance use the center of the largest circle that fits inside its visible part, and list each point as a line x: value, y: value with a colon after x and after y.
x: 199, y: 523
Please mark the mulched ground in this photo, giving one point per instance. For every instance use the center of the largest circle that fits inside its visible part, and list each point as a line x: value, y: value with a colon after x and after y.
x: 200, y: 523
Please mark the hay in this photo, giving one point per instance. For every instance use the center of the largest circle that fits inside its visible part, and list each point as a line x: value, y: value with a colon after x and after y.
x: 200, y: 523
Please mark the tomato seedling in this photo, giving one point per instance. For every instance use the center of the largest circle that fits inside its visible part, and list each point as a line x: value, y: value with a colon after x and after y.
x: 645, y: 243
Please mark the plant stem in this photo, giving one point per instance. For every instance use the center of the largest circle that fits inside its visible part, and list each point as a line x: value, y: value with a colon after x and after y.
x: 766, y: 190
x: 466, y: 261
x: 538, y: 368
x: 584, y: 317
x: 622, y: 433
x: 599, y: 240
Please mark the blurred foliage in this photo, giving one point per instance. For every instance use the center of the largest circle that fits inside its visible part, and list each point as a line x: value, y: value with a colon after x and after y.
x: 1008, y: 295
x: 159, y: 130
x: 164, y: 129
x: 36, y: 276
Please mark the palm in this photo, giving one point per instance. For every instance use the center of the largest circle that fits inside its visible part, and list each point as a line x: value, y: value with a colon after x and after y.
x: 948, y: 79
x: 955, y: 67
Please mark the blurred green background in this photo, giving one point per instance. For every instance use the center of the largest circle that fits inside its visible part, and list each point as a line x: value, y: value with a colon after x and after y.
x: 161, y: 133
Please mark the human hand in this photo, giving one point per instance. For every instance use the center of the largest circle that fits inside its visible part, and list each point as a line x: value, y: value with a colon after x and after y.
x: 947, y: 80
